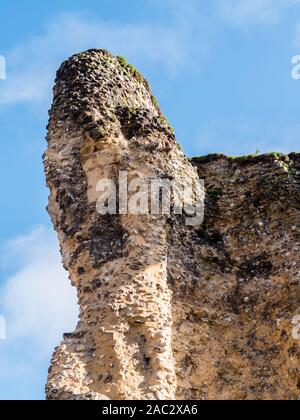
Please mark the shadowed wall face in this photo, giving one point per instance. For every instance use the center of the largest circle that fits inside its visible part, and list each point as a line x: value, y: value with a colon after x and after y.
x: 167, y: 310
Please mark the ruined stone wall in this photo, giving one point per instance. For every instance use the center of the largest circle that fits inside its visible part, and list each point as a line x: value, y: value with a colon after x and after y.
x: 168, y: 311
x: 243, y: 276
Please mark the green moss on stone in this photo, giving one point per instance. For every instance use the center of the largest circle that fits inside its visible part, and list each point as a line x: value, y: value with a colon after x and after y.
x: 165, y: 119
x: 122, y: 61
x: 254, y: 158
x: 215, y: 191
x: 129, y: 69
x: 208, y: 158
x: 154, y: 100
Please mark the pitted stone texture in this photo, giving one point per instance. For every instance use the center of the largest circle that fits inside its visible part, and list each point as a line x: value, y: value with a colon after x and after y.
x: 168, y: 311
x: 103, y: 121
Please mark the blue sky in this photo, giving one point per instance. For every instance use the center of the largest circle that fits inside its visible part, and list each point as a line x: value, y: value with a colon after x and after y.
x: 221, y: 70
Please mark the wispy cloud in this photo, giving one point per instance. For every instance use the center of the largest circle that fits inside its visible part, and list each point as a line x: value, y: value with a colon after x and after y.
x: 32, y: 64
x: 245, y: 13
x: 39, y: 305
x: 245, y: 136
x: 296, y: 40
x: 37, y: 300
x: 182, y: 43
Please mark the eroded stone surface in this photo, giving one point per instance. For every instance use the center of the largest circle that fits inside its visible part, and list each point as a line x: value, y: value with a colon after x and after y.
x: 168, y: 310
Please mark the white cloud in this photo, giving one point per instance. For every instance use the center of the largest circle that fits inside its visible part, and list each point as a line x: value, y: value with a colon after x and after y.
x: 245, y: 13
x: 296, y: 43
x: 39, y: 305
x: 32, y: 64
x: 183, y: 42
x: 38, y: 301
x: 244, y: 137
